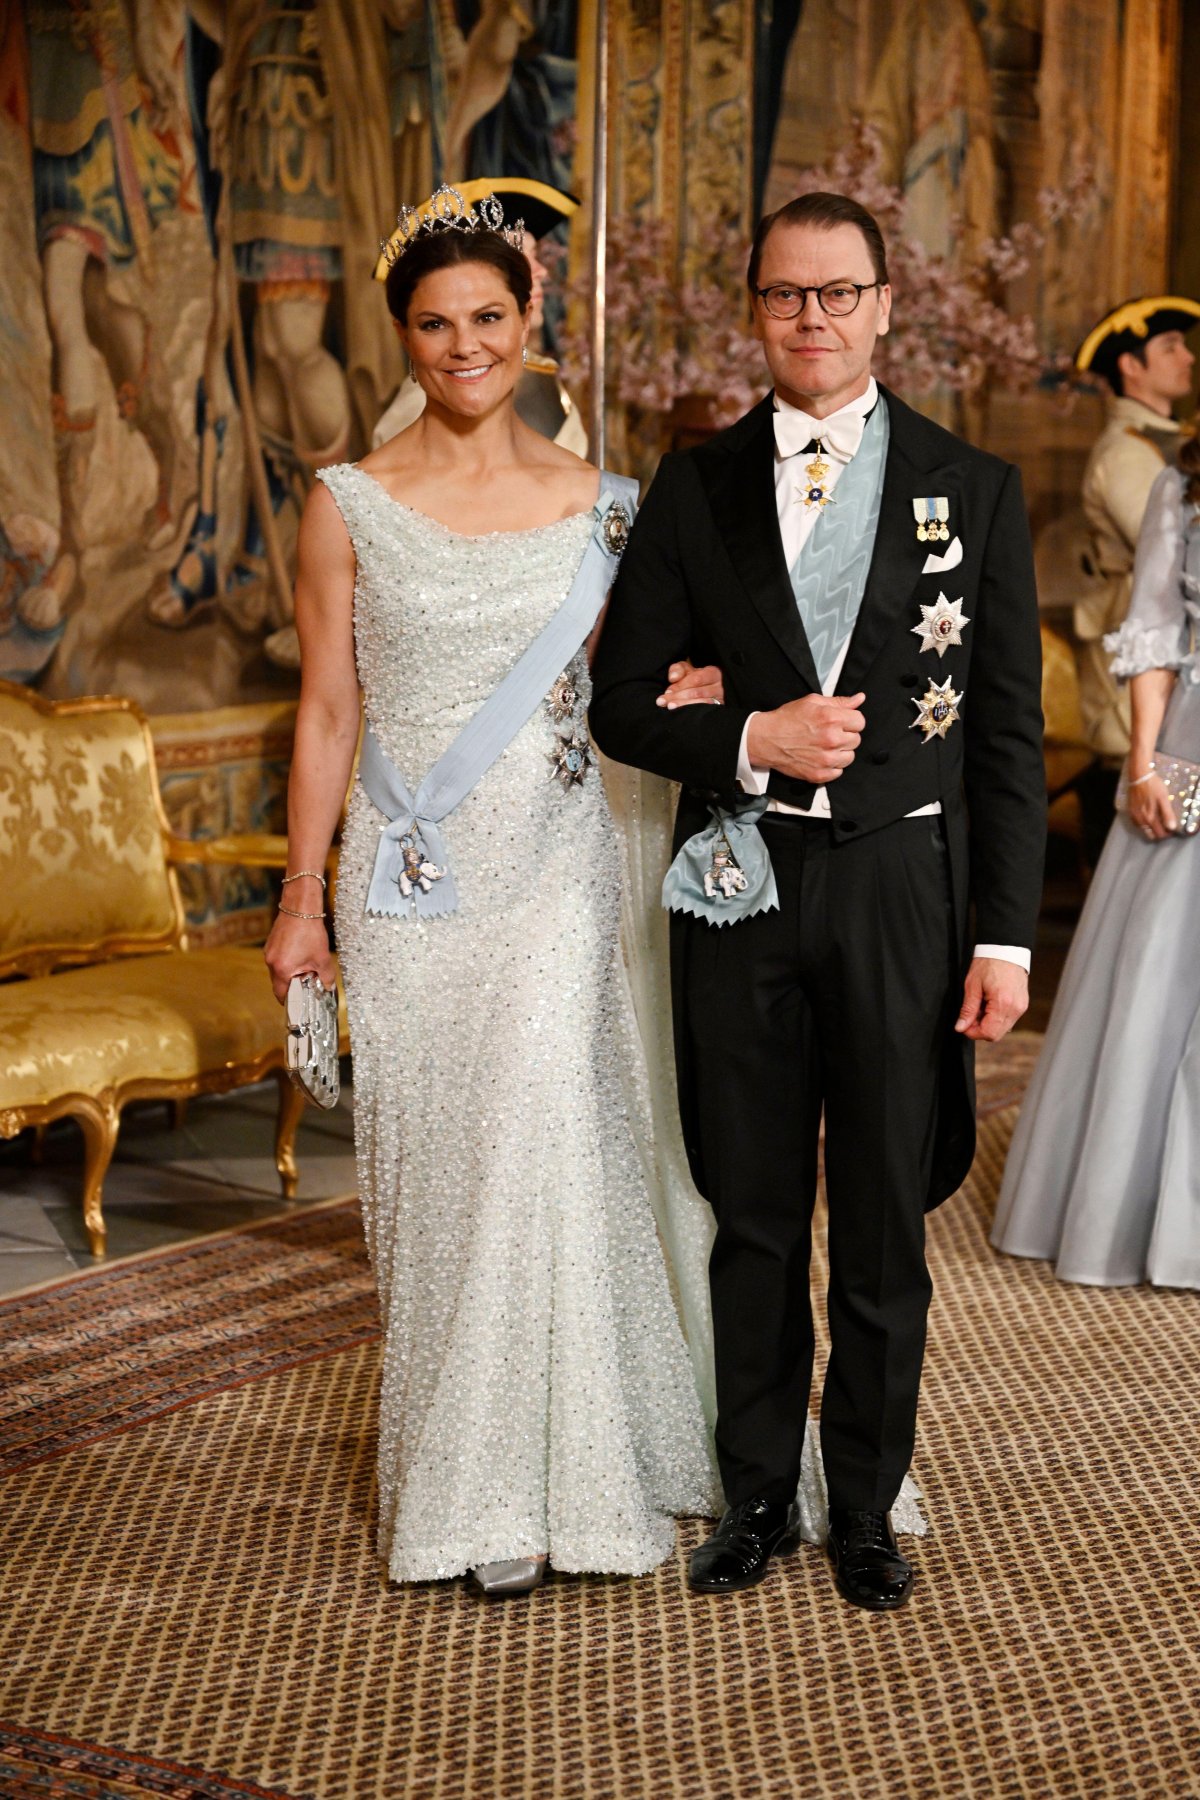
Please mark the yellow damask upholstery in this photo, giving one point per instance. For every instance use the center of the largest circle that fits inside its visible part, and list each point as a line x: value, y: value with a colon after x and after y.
x: 83, y: 866
x: 176, y: 1018
x: 87, y: 877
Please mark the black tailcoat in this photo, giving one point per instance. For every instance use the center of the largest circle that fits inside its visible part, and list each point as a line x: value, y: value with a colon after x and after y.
x: 704, y: 577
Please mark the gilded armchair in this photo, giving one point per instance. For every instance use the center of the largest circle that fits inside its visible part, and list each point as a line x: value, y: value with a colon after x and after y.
x: 101, y: 1000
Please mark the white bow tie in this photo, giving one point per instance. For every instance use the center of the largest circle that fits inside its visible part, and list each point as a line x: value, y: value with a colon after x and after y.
x: 840, y: 434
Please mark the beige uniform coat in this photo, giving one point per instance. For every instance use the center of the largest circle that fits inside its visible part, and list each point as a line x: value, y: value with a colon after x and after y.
x: 1125, y: 462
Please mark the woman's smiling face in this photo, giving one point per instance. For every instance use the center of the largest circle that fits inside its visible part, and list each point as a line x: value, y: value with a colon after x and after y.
x: 464, y: 335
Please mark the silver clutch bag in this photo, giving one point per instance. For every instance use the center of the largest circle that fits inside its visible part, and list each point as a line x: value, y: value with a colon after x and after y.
x: 1182, y: 782
x: 312, y: 1039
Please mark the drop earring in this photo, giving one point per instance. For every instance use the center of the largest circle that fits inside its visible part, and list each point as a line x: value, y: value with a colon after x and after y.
x: 524, y: 354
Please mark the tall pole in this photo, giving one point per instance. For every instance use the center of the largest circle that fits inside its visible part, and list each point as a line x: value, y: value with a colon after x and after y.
x: 599, y: 233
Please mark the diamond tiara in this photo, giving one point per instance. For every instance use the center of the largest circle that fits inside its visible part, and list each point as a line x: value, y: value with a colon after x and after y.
x: 446, y: 210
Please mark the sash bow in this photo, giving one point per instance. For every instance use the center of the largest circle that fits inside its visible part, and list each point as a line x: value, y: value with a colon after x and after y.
x: 693, y: 883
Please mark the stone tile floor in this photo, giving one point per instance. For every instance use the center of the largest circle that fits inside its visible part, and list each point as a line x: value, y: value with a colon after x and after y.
x: 165, y: 1184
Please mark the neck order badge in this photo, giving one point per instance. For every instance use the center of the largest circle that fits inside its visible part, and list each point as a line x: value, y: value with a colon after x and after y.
x: 816, y: 473
x: 799, y: 434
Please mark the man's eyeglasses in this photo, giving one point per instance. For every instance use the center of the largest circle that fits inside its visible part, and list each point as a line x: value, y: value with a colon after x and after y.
x: 837, y: 298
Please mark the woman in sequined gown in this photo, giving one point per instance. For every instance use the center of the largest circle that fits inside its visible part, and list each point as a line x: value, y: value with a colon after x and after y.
x: 536, y: 1395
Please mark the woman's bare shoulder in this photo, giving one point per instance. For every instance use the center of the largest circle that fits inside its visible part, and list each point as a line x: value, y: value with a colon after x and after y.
x: 570, y: 476
x: 324, y: 548
x: 557, y: 456
x: 321, y: 515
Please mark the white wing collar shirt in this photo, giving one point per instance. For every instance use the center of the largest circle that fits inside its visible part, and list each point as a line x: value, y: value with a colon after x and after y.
x: 840, y: 435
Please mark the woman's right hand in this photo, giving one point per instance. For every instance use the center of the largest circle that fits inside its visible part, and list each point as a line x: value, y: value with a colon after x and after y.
x: 1150, y: 808
x: 298, y: 947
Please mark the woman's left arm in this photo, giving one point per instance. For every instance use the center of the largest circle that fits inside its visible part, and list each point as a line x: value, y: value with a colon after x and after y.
x: 1150, y: 646
x: 1150, y: 807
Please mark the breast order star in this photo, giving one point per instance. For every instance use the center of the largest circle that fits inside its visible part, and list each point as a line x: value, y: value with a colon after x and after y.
x: 937, y: 710
x: 941, y: 625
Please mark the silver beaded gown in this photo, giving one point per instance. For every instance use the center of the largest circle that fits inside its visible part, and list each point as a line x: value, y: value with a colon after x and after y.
x: 536, y: 1394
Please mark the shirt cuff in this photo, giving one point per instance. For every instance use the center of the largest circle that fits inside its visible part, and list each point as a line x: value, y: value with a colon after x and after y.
x: 1012, y: 953
x: 750, y: 779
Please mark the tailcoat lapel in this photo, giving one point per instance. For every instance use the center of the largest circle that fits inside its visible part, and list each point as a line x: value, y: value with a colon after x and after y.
x: 742, y: 498
x: 899, y: 556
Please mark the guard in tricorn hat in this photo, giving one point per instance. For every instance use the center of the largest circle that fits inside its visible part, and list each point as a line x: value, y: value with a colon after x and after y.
x: 1140, y: 351
x: 542, y: 397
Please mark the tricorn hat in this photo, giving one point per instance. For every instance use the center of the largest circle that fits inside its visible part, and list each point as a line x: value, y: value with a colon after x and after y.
x: 534, y: 204
x: 1129, y: 327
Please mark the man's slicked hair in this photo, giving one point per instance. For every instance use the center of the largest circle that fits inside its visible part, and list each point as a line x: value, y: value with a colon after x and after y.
x: 824, y: 211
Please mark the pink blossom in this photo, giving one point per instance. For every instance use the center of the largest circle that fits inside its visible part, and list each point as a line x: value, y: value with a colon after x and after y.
x: 671, y: 338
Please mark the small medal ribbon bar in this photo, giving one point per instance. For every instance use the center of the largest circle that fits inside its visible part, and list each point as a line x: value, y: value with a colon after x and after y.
x: 931, y: 513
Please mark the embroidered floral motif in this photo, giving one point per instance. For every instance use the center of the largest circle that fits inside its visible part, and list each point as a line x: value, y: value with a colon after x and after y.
x: 1135, y: 648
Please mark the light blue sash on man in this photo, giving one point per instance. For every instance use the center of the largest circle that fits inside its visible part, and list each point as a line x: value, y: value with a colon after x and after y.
x: 490, y: 730
x: 829, y: 578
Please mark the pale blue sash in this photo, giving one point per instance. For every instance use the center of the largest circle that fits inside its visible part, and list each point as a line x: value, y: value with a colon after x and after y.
x: 684, y: 889
x: 490, y: 730
x: 829, y: 578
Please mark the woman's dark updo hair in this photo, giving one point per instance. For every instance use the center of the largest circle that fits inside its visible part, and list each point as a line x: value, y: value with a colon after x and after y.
x: 442, y: 250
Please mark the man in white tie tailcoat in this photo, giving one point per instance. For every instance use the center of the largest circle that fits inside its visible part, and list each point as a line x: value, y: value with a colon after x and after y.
x: 865, y: 581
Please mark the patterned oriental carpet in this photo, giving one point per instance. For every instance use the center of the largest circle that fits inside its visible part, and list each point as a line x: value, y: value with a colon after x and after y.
x: 191, y: 1606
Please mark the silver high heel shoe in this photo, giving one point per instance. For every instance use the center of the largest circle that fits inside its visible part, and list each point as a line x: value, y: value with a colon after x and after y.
x: 520, y: 1576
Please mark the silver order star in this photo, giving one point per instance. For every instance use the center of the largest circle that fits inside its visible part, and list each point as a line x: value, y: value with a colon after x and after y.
x: 937, y: 710
x: 941, y: 625
x: 571, y: 757
x: 563, y: 699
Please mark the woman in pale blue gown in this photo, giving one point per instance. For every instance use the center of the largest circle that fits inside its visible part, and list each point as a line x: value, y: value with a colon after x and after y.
x: 1103, y: 1177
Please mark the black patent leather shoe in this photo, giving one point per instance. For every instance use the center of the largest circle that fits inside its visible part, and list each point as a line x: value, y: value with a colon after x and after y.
x: 868, y: 1569
x: 739, y: 1551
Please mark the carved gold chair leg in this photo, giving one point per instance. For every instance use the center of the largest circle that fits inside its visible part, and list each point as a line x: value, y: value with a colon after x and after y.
x: 177, y: 1111
x: 100, y: 1121
x: 291, y: 1108
x: 37, y: 1146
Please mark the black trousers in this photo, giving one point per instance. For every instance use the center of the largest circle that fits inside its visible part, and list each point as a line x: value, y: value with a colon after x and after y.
x: 841, y: 1001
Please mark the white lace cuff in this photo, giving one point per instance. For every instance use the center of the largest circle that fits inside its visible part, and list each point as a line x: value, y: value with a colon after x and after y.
x: 1135, y: 648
